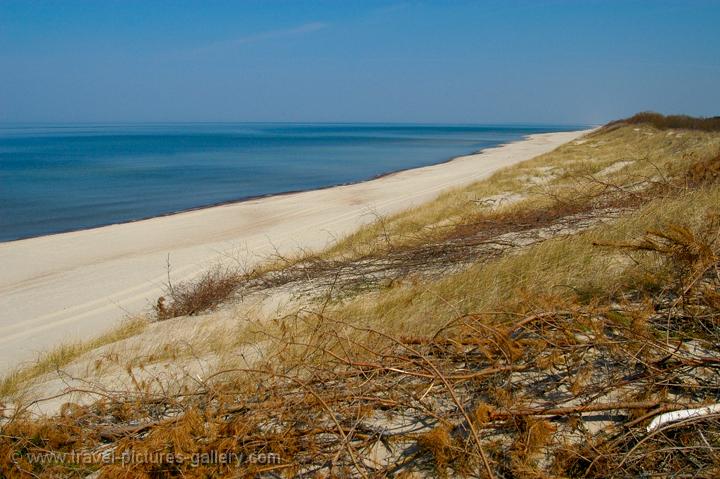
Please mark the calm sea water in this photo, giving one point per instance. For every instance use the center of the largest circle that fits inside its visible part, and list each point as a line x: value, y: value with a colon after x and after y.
x: 62, y: 178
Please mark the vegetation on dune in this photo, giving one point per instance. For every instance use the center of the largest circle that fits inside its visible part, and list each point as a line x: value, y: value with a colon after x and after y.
x: 533, y: 335
x: 62, y: 355
x: 665, y: 122
x: 205, y: 293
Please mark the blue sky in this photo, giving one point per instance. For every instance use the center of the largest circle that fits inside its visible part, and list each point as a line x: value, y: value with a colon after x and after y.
x: 556, y: 61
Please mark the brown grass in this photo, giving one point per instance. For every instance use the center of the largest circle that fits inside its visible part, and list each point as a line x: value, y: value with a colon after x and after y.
x: 345, y: 389
x: 706, y: 171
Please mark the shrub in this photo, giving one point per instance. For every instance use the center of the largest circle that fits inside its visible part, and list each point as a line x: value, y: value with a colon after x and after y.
x: 664, y: 122
x: 193, y: 297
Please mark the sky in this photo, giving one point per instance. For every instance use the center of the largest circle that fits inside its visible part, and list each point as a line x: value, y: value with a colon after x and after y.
x: 533, y: 61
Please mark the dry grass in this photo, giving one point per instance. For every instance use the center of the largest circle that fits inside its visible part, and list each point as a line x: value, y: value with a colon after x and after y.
x: 705, y: 171
x: 545, y: 360
x: 63, y: 355
x: 561, y: 268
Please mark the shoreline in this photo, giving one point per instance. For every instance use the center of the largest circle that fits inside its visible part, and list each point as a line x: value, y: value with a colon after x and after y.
x: 281, y: 193
x: 66, y: 286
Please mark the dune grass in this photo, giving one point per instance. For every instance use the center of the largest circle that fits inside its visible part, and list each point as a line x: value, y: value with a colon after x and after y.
x: 576, y: 266
x: 19, y: 379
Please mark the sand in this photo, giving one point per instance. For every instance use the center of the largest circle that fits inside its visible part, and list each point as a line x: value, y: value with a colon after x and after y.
x: 70, y: 286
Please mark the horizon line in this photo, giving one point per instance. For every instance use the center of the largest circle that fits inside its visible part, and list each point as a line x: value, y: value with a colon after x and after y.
x: 251, y: 122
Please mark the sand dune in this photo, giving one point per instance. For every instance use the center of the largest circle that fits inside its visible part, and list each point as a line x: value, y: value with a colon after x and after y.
x: 78, y: 285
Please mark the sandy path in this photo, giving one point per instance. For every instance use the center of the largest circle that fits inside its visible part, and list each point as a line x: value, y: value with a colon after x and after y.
x: 77, y: 285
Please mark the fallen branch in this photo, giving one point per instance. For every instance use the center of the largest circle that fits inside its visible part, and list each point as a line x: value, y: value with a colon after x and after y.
x: 674, y: 416
x: 565, y: 411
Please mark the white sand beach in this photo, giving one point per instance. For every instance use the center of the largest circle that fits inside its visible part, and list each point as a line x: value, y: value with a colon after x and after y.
x: 78, y: 285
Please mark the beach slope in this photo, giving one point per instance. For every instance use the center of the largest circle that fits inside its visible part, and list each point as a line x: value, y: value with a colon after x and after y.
x: 77, y: 285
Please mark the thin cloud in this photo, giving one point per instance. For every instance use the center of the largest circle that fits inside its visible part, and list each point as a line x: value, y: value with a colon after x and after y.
x: 271, y: 34
x: 262, y: 36
x: 391, y: 8
x: 385, y: 13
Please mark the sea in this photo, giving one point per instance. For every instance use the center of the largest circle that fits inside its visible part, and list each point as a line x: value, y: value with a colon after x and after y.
x: 58, y: 178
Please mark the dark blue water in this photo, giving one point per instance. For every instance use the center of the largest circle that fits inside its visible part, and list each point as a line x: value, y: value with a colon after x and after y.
x: 61, y: 178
